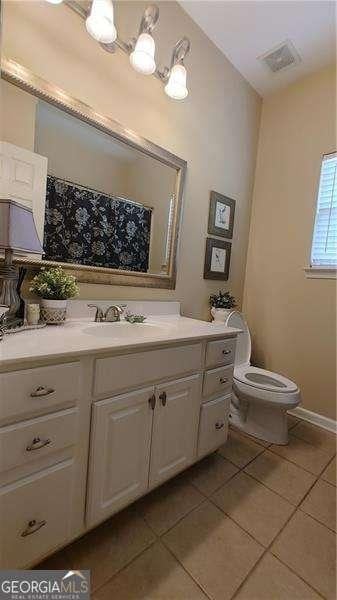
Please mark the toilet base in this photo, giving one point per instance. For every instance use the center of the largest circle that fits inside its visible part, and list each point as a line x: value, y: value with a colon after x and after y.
x: 268, y: 423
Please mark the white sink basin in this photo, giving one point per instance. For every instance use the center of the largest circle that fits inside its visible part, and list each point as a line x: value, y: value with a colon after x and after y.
x: 124, y: 330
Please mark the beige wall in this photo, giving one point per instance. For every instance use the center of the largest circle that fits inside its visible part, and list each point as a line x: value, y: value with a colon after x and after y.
x: 292, y: 318
x: 215, y: 129
x: 17, y: 119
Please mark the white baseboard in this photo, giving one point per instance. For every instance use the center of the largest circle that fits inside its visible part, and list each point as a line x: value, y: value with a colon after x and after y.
x: 314, y: 418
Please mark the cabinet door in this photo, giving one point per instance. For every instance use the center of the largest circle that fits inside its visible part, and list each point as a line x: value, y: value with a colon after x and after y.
x: 120, y: 452
x: 175, y: 427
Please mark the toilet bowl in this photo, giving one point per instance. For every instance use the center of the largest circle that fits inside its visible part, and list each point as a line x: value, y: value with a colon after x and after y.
x: 260, y: 398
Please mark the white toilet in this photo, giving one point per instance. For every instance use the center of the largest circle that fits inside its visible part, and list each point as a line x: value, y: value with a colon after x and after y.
x: 260, y: 398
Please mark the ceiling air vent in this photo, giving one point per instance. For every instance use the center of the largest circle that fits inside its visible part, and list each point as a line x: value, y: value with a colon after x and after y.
x: 283, y: 56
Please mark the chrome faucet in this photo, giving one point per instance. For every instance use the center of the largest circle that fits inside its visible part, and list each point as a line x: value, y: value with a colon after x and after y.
x: 111, y: 315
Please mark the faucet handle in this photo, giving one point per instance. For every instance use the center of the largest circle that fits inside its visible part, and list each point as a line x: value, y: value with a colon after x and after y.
x: 99, y: 317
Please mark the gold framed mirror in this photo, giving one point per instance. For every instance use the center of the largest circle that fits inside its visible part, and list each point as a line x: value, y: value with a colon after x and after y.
x: 164, y: 275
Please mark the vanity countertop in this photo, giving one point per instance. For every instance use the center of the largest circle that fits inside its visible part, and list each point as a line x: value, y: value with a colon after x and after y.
x: 83, y: 337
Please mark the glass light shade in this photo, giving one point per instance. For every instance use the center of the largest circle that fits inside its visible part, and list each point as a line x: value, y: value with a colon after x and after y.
x: 100, y: 22
x: 142, y: 58
x: 54, y: 1
x: 176, y: 85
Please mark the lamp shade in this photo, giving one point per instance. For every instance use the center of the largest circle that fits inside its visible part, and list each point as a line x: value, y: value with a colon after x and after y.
x: 142, y: 58
x: 176, y: 85
x: 100, y: 22
x: 17, y: 228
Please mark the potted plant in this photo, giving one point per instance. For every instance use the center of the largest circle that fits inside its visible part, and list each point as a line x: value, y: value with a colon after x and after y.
x: 222, y: 304
x: 54, y: 287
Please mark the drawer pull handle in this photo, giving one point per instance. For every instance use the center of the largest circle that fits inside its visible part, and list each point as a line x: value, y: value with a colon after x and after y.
x: 33, y: 527
x: 37, y: 444
x: 226, y: 352
x: 41, y: 391
x: 163, y: 397
x: 223, y: 380
x: 152, y: 402
x: 219, y: 425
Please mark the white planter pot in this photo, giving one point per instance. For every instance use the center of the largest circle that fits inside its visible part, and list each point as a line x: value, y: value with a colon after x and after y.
x: 220, y: 314
x: 53, y: 312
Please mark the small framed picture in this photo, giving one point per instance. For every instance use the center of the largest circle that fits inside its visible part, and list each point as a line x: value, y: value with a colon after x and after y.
x: 221, y: 215
x: 217, y: 259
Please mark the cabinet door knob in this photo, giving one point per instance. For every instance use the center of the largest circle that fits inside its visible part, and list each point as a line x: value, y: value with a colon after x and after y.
x: 33, y: 527
x: 152, y: 402
x: 37, y: 444
x: 163, y: 398
x: 226, y: 352
x: 41, y: 391
x: 219, y: 425
x: 223, y: 380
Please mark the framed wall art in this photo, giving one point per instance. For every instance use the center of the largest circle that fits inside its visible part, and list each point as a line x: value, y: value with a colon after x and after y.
x: 217, y: 259
x: 221, y: 215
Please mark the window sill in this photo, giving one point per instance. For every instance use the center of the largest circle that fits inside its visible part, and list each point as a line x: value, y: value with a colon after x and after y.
x: 320, y: 272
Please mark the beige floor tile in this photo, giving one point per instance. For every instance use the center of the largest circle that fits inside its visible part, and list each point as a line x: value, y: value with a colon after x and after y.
x: 303, y: 454
x: 271, y: 580
x: 281, y: 476
x: 210, y: 473
x: 321, y: 503
x: 58, y: 561
x: 251, y: 437
x: 330, y: 473
x: 308, y: 548
x: 111, y: 546
x: 239, y: 449
x: 292, y: 421
x: 254, y: 507
x: 154, y: 575
x: 322, y: 439
x: 166, y: 505
x: 214, y: 550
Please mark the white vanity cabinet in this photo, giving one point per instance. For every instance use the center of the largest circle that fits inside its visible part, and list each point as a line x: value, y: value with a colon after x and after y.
x: 83, y: 438
x: 139, y: 440
x: 120, y: 452
x: 175, y: 428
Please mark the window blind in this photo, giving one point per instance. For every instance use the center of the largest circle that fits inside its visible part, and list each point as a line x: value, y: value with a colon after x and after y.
x: 324, y: 244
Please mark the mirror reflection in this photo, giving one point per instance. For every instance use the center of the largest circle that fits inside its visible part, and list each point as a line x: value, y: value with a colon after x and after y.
x: 104, y: 203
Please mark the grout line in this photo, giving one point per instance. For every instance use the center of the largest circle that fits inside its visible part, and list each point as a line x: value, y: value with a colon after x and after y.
x: 186, y: 571
x: 99, y: 587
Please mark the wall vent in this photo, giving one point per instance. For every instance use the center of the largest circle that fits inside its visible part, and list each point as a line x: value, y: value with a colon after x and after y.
x: 283, y: 56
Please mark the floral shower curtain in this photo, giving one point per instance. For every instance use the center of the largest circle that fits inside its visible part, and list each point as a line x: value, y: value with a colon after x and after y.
x: 91, y: 228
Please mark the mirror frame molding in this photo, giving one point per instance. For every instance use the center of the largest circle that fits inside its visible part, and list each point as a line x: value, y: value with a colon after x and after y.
x: 23, y: 78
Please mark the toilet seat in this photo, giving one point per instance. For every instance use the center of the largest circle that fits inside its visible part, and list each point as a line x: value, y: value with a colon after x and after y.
x: 264, y: 380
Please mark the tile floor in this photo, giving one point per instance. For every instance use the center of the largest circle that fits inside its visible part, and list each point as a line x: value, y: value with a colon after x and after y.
x: 252, y: 522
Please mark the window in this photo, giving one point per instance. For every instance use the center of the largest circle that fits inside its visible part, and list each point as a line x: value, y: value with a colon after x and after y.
x: 324, y: 243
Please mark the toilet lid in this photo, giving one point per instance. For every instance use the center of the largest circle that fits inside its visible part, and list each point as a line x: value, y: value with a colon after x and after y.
x: 264, y: 380
x: 243, y: 342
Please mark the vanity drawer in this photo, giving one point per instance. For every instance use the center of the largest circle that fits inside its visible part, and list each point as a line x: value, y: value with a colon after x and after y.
x: 25, y: 393
x: 35, y: 516
x: 218, y: 381
x: 220, y: 352
x: 213, y: 427
x: 28, y: 441
x: 130, y: 370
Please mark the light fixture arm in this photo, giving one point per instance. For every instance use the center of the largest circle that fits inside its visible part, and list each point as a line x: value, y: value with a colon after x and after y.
x: 149, y: 19
x: 180, y: 50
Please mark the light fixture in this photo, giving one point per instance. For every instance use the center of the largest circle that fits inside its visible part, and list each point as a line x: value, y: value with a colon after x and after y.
x: 142, y: 57
x: 176, y: 84
x: 55, y: 1
x: 141, y: 50
x: 100, y: 22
